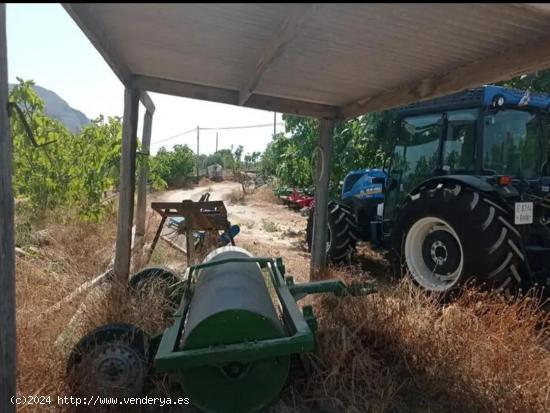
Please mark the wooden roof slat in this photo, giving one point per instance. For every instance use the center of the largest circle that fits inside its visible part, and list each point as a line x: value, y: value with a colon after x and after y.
x: 323, y: 60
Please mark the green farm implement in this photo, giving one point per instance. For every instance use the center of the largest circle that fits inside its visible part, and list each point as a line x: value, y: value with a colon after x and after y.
x: 230, y: 343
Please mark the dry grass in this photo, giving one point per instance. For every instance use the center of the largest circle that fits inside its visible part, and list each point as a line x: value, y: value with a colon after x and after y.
x: 265, y: 194
x: 204, y: 181
x: 65, y: 255
x: 296, y: 264
x: 395, y: 351
x: 262, y: 195
x: 58, y: 257
x: 401, y: 351
x: 237, y: 196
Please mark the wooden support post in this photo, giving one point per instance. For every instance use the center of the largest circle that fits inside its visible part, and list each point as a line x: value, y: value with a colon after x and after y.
x: 142, y: 180
x: 190, y: 241
x: 7, y: 246
x: 141, y: 208
x: 198, y: 159
x: 322, y: 176
x: 127, y: 184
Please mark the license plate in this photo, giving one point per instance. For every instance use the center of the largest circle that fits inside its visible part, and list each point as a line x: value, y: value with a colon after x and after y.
x: 524, y: 213
x: 380, y: 209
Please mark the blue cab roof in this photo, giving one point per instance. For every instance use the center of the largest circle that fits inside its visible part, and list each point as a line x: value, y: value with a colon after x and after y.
x: 477, y: 97
x: 374, y: 172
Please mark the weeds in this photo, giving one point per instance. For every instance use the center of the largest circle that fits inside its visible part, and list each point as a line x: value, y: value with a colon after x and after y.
x: 269, y: 226
x: 75, y: 252
x: 71, y: 253
x: 401, y: 351
x: 395, y: 351
x: 237, y: 196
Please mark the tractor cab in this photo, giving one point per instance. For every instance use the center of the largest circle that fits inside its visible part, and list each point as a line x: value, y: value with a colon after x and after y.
x: 493, y: 141
x: 497, y: 134
x: 466, y: 195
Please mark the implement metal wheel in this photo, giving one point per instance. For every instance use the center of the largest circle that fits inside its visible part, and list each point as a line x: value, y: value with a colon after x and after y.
x: 151, y: 278
x: 111, y: 361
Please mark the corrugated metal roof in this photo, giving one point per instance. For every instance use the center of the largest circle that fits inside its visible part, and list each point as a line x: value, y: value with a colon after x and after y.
x: 335, y: 55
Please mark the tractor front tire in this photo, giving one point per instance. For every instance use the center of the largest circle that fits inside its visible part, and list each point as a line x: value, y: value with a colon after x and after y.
x: 341, y: 238
x: 449, y: 233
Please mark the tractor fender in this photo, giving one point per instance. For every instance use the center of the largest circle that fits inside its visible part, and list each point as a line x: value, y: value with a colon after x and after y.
x: 468, y: 180
x: 471, y: 181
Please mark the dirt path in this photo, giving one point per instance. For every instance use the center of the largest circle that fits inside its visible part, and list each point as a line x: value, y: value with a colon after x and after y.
x: 268, y: 228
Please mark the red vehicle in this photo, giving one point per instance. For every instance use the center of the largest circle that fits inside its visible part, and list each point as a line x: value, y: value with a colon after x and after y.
x: 297, y: 200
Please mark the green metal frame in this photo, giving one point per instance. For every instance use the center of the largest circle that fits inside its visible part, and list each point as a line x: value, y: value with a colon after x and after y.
x: 302, y: 326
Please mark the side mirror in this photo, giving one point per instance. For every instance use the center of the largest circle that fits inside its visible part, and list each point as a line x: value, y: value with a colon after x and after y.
x: 529, y: 76
x: 545, y: 169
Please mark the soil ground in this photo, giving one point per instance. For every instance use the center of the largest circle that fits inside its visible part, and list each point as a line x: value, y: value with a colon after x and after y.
x: 267, y: 227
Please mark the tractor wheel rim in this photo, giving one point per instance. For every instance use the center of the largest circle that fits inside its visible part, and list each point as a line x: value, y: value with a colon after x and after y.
x: 435, y: 263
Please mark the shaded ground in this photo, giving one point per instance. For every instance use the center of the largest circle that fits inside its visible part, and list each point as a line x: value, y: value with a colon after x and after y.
x: 398, y: 351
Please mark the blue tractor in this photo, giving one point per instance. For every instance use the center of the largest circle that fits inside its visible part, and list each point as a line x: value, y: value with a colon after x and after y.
x: 349, y: 217
x: 466, y: 195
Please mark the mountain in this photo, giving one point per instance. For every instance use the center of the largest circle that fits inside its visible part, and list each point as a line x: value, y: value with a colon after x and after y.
x: 57, y: 108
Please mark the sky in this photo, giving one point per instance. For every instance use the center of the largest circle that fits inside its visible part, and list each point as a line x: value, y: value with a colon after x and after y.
x: 46, y: 45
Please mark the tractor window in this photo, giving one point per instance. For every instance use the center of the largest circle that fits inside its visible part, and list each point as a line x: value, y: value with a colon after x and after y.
x: 459, y: 145
x: 512, y: 143
x: 416, y: 156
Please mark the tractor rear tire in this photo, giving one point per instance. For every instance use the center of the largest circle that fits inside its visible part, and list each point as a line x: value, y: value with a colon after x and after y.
x: 341, y: 238
x: 448, y: 234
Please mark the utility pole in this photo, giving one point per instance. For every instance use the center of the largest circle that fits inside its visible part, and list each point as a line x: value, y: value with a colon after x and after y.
x: 216, y: 141
x: 274, y: 124
x: 198, y: 153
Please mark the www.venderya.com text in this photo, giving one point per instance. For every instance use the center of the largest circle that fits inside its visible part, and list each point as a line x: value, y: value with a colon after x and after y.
x: 99, y: 401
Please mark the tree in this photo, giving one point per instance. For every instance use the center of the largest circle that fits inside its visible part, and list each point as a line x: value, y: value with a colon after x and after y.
x: 359, y: 143
x: 170, y: 165
x: 541, y: 83
x: 72, y: 169
x: 250, y: 159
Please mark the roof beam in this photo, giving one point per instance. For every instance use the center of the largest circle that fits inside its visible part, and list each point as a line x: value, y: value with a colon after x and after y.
x: 147, y: 101
x: 291, y: 106
x: 507, y: 64
x: 185, y: 89
x: 222, y: 95
x: 291, y: 28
